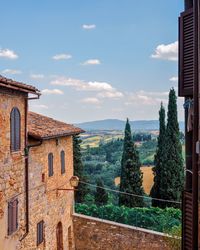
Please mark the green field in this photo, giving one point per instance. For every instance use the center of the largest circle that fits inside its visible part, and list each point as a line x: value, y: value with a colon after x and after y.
x: 93, y: 139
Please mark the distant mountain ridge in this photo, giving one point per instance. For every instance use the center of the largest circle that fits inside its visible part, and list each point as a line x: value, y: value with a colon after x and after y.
x: 116, y: 124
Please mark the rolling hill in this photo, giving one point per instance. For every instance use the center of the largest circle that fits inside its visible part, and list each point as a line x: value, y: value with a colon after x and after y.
x: 115, y: 124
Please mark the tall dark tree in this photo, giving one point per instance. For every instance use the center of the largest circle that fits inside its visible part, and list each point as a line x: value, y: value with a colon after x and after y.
x: 101, y: 196
x: 131, y: 175
x: 79, y: 170
x: 159, y: 158
x: 172, y: 179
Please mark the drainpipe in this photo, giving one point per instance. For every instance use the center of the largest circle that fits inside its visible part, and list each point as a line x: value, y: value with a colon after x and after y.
x: 26, y: 151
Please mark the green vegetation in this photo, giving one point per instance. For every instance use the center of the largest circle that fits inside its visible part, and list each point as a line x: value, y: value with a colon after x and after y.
x: 101, y: 196
x: 78, y: 170
x: 104, y: 161
x: 110, y: 155
x: 162, y: 220
x: 131, y: 175
x: 159, y: 158
x: 172, y: 181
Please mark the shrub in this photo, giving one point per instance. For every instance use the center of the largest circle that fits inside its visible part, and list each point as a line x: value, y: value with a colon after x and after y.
x: 152, y: 218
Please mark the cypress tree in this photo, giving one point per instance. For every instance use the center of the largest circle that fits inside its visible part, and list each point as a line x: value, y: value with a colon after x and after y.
x: 172, y: 179
x: 159, y: 158
x: 79, y: 170
x: 131, y: 175
x: 101, y: 196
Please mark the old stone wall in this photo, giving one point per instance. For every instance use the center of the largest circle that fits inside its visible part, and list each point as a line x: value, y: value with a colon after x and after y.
x: 96, y: 234
x: 45, y: 202
x: 11, y: 168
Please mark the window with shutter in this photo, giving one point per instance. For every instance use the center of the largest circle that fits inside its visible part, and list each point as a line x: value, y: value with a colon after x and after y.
x: 15, y: 129
x: 12, y: 216
x: 186, y: 53
x: 40, y: 232
x: 50, y: 164
x: 62, y: 158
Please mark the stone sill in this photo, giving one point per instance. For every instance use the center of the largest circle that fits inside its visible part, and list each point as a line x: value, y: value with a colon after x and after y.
x: 119, y: 224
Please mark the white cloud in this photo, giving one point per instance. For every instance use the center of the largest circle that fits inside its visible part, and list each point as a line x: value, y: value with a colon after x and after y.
x: 166, y: 52
x: 146, y: 98
x: 104, y: 89
x: 89, y: 26
x: 37, y: 76
x: 174, y: 79
x: 91, y: 100
x: 92, y: 62
x: 154, y: 93
x: 113, y: 94
x: 52, y: 92
x: 62, y: 57
x: 82, y: 85
x: 7, y: 53
x: 11, y: 71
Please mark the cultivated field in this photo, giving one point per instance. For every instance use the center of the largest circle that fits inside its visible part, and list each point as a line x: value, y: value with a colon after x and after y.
x: 147, y: 179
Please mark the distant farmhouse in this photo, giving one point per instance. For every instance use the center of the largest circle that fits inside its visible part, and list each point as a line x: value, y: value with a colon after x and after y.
x: 36, y: 164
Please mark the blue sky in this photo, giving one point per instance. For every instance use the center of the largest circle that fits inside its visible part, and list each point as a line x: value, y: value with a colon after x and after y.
x: 93, y: 59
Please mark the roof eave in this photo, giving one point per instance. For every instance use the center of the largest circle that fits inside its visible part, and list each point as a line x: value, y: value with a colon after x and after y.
x: 26, y: 90
x: 55, y: 136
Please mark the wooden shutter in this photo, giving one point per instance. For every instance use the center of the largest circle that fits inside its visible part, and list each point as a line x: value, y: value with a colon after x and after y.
x: 15, y: 130
x: 62, y: 156
x: 15, y: 214
x: 50, y: 164
x: 12, y: 216
x: 40, y: 232
x: 187, y: 221
x: 12, y: 130
x: 186, y: 53
x: 9, y: 218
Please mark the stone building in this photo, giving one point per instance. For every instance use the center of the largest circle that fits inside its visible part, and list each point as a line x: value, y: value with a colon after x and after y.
x: 36, y: 164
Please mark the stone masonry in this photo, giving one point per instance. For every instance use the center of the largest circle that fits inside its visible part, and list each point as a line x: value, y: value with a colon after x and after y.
x: 46, y: 203
x: 96, y: 234
x: 11, y: 167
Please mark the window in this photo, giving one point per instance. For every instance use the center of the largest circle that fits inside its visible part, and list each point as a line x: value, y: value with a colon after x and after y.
x: 40, y: 232
x: 62, y: 159
x: 12, y: 216
x: 50, y: 164
x: 15, y: 128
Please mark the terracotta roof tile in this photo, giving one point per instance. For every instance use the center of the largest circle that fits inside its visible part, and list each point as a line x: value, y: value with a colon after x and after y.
x: 43, y: 127
x: 9, y: 83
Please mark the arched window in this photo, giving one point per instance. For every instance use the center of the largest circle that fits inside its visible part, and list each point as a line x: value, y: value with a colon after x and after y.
x: 62, y: 159
x: 15, y: 129
x: 50, y: 164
